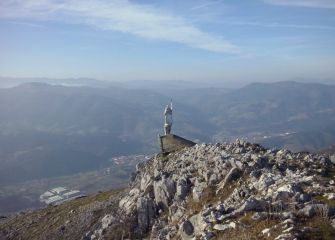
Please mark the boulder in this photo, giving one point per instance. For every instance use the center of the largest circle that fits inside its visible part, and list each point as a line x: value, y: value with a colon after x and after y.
x: 232, y: 175
x: 303, y: 197
x: 223, y: 227
x: 235, y: 163
x: 145, y: 213
x: 332, y: 158
x: 164, y: 191
x: 146, y: 184
x: 198, y: 223
x: 284, y: 236
x: 282, y: 152
x: 257, y: 162
x: 198, y: 190
x: 250, y: 204
x: 176, y: 212
x: 287, y: 191
x: 266, y: 231
x: 253, y: 204
x: 107, y: 221
x: 183, y: 188
x: 332, y: 223
x: 265, y: 181
x: 312, y: 209
x: 262, y: 162
x: 210, y: 216
x: 186, y: 229
x: 140, y: 166
x: 329, y: 196
x: 213, y: 179
x: 128, y: 202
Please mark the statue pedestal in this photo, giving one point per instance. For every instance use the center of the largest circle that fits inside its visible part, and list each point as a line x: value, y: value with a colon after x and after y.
x: 170, y: 143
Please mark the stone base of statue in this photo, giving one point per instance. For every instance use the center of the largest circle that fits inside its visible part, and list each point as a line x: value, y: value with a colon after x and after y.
x: 170, y: 143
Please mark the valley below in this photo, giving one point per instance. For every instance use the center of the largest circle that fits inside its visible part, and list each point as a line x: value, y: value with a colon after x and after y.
x: 24, y: 196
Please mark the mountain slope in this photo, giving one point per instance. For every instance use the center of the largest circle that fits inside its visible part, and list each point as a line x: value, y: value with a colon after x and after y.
x: 70, y: 220
x: 222, y: 191
x: 277, y: 107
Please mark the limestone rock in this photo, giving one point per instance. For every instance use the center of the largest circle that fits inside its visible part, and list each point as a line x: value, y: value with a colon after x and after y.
x: 107, y: 221
x: 290, y: 188
x: 128, y: 203
x: 332, y: 158
x: 312, y: 209
x: 223, y: 227
x: 332, y: 223
x: 183, y: 188
x: 198, y: 223
x: 198, y: 190
x: 146, y: 183
x: 145, y: 213
x: 186, y: 229
x: 164, y: 191
x: 233, y: 174
x: 265, y: 180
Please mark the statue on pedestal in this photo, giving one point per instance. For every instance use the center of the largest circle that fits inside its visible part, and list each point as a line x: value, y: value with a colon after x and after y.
x: 171, y: 142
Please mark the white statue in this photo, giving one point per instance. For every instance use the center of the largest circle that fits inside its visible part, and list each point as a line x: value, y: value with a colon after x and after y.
x: 168, y: 118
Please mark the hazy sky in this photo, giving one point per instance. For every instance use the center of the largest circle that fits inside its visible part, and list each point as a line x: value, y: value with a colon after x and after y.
x: 254, y: 40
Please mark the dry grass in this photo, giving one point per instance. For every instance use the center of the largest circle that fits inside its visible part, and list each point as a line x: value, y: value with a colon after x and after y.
x: 330, y: 173
x: 329, y: 202
x: 46, y: 222
x: 320, y: 225
x: 320, y: 229
x: 224, y: 193
x: 249, y: 229
x: 208, y: 197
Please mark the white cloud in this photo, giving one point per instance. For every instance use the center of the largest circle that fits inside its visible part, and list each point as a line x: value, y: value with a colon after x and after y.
x: 279, y: 25
x: 116, y: 15
x: 34, y: 25
x: 205, y: 4
x: 304, y: 3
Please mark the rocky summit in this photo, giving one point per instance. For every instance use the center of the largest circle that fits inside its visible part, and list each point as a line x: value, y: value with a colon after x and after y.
x: 238, y: 190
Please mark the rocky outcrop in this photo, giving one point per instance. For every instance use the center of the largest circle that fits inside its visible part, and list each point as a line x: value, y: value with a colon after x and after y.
x: 164, y: 191
x: 128, y: 203
x: 206, y: 190
x: 145, y: 213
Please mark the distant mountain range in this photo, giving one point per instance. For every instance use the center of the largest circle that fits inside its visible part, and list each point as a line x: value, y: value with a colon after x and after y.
x: 6, y: 82
x: 52, y: 130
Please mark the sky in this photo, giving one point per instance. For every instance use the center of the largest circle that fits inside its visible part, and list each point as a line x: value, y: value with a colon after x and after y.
x: 202, y: 40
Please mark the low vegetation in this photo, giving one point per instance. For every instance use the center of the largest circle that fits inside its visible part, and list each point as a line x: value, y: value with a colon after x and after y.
x: 69, y: 220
